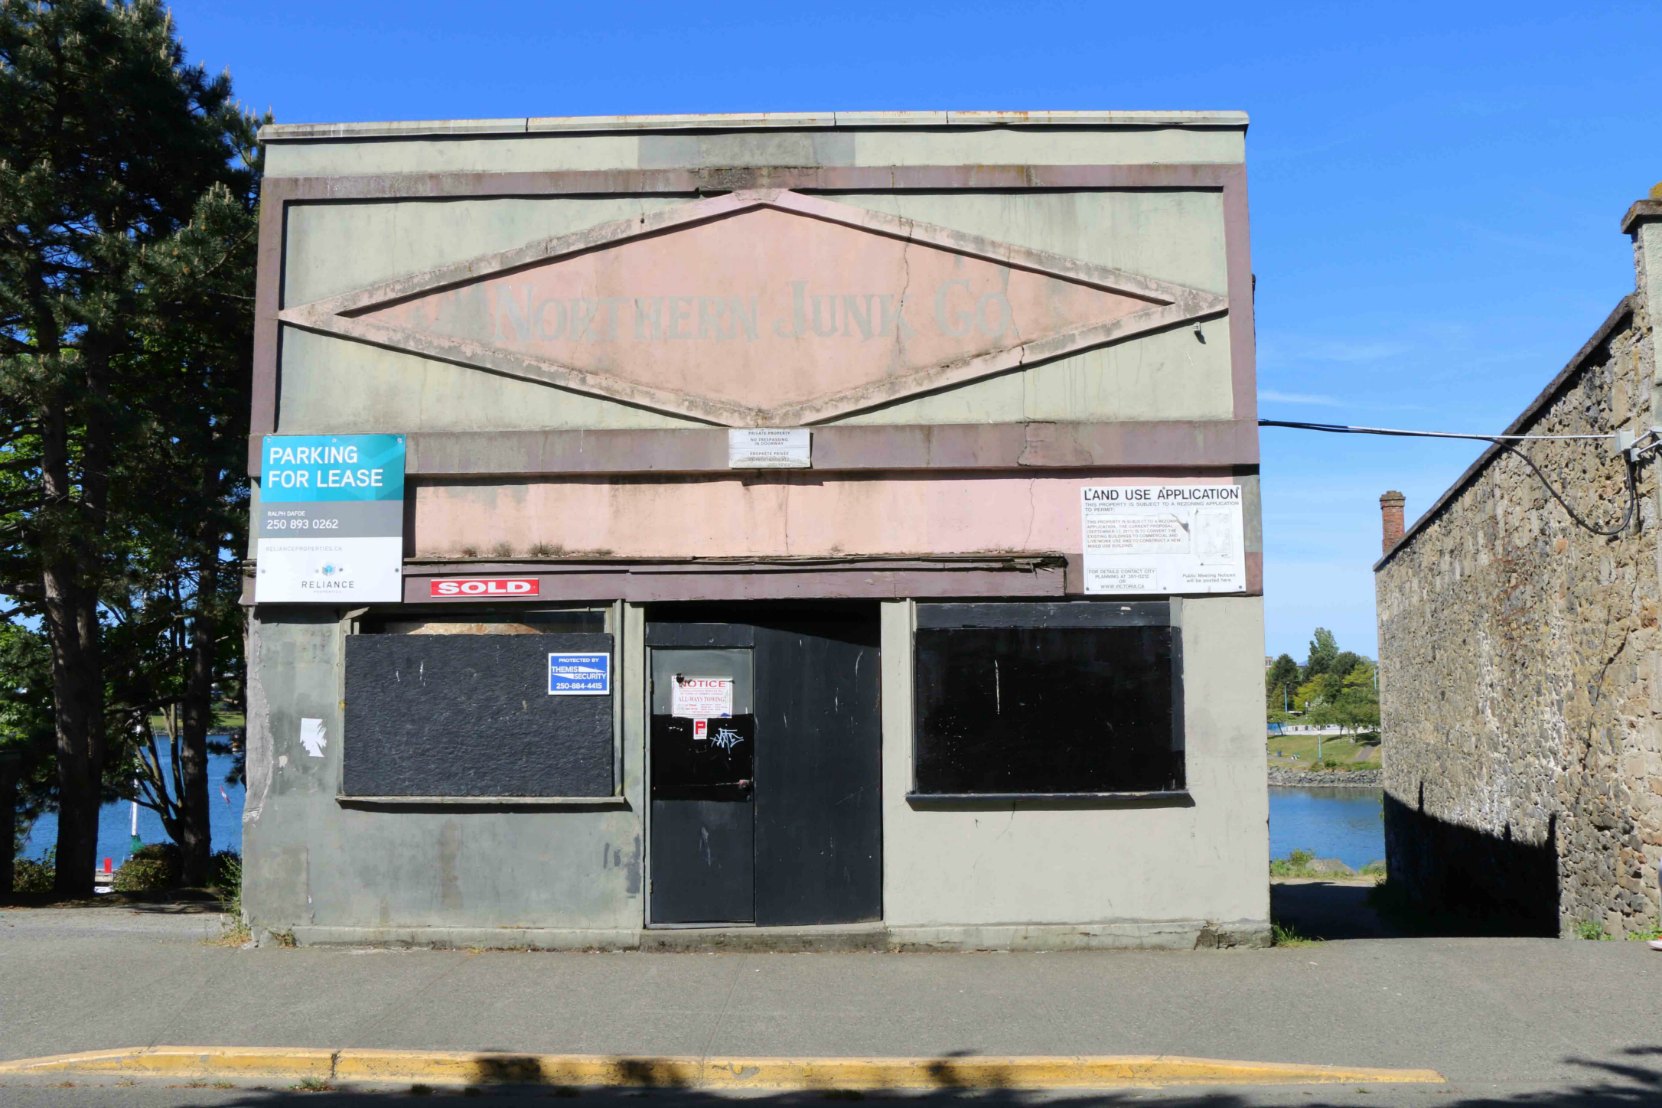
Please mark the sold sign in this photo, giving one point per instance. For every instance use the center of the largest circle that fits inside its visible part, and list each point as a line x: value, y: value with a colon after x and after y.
x: 484, y: 586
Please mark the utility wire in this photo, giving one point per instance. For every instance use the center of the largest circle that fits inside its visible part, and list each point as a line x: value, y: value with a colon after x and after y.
x: 1346, y: 429
x: 1507, y: 443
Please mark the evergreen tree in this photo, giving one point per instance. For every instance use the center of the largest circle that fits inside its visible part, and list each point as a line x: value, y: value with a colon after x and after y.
x: 122, y: 203
x: 1279, y: 681
x: 1324, y: 652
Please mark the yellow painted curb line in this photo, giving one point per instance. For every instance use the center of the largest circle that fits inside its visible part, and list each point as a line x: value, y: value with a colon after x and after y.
x: 475, y: 1068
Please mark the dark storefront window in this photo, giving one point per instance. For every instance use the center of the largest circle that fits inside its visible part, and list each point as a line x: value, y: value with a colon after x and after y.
x: 1055, y: 699
x: 460, y: 704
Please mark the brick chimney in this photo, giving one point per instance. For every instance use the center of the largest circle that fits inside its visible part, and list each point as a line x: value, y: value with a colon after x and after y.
x: 1390, y: 519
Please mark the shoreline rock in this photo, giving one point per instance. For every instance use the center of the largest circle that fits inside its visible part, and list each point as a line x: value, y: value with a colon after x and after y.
x: 1338, y: 779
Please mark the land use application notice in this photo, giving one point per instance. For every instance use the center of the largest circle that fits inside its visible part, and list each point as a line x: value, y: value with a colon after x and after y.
x: 330, y: 520
x: 1163, y: 538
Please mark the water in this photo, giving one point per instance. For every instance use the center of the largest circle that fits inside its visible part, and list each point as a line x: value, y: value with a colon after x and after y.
x: 115, y: 821
x: 1347, y: 824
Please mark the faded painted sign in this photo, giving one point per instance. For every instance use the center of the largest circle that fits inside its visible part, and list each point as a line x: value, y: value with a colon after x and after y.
x: 769, y: 448
x: 1163, y: 538
x: 761, y: 308
x: 701, y: 697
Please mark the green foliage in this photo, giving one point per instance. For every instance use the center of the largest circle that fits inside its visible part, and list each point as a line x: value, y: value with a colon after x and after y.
x: 1285, y: 934
x: 1295, y: 864
x: 1281, y: 676
x: 26, y: 719
x: 1591, y: 930
x: 128, y: 188
x: 1324, y: 651
x: 153, y: 867
x: 35, y: 876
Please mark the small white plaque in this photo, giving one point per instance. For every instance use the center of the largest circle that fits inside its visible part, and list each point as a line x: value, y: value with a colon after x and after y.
x: 769, y: 448
x: 1163, y: 538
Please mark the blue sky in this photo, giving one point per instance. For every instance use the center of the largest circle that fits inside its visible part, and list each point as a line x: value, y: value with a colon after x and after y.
x: 1436, y: 188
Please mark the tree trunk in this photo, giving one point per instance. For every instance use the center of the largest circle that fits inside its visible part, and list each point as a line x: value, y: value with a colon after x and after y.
x: 78, y: 702
x: 195, y: 843
x: 8, y: 822
x: 69, y: 580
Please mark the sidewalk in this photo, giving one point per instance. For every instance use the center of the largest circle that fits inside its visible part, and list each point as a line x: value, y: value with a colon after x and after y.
x: 1492, y: 1015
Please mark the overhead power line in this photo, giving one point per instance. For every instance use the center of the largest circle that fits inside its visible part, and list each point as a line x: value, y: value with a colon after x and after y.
x: 1507, y: 444
x: 1347, y: 429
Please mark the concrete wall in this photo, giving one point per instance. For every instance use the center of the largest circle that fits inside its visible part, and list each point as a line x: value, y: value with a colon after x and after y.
x: 458, y: 874
x: 329, y: 384
x: 1166, y: 875
x: 1521, y: 671
x: 958, y: 463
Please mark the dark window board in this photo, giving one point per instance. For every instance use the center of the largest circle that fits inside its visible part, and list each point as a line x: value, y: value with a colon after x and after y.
x: 1077, y: 613
x: 1040, y: 711
x: 715, y: 636
x: 469, y: 716
x: 1172, y: 798
x: 484, y: 803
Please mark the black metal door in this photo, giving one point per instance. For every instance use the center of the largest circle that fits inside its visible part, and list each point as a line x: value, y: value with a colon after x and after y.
x: 819, y: 837
x: 771, y: 814
x: 702, y: 862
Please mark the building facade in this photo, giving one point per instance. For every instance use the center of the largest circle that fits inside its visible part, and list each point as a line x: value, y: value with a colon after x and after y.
x: 1520, y: 658
x: 787, y: 530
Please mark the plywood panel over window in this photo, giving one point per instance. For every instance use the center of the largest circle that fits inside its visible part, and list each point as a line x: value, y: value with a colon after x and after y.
x: 469, y: 715
x: 1067, y: 699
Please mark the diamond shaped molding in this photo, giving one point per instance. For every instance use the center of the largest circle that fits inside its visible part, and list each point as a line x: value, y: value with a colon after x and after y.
x: 759, y: 308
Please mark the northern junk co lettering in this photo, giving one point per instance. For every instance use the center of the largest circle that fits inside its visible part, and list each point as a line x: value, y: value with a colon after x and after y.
x: 522, y: 313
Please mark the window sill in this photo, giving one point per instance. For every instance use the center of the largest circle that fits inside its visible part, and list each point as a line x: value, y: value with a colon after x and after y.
x: 578, y: 803
x: 1171, y: 798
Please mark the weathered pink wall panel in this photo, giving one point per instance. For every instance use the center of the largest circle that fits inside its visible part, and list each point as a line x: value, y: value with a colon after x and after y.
x: 784, y: 516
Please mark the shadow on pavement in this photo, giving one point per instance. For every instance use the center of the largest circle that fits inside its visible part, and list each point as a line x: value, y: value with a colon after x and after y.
x: 1330, y: 910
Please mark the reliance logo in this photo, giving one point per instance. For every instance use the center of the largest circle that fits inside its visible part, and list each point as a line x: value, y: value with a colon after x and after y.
x: 484, y: 587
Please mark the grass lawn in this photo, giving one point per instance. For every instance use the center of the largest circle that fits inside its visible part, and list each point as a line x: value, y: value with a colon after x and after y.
x: 1299, y: 751
x: 223, y: 721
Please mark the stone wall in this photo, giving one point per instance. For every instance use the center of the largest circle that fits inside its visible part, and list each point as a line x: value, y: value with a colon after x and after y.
x: 1521, y: 675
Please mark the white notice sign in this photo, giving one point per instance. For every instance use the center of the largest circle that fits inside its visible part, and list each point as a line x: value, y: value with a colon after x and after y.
x: 1163, y: 538
x: 769, y: 448
x: 701, y: 697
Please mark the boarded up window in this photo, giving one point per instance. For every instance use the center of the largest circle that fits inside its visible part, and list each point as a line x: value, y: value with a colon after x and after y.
x: 1047, y: 699
x: 460, y: 715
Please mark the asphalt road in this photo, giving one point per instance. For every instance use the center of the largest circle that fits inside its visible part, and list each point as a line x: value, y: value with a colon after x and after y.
x: 1508, y: 1021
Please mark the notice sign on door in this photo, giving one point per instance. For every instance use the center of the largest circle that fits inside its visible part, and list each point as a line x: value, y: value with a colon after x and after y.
x: 1163, y: 539
x: 701, y: 697
x: 579, y: 675
x: 329, y: 527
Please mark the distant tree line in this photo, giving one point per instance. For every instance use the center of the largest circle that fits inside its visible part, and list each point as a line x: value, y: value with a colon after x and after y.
x: 129, y: 182
x: 1332, y: 687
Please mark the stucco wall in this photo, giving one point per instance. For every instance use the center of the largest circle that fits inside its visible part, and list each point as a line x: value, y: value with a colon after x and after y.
x: 524, y: 145
x: 1199, y: 866
x: 460, y: 873
x: 1521, y: 675
x: 780, y: 515
x: 330, y: 384
x: 1159, y: 198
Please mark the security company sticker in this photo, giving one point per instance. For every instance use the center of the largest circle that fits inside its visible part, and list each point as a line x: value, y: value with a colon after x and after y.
x: 579, y: 674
